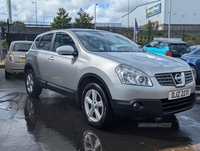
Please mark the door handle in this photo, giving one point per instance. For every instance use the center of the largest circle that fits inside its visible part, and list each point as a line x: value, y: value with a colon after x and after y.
x: 34, y: 55
x: 51, y: 58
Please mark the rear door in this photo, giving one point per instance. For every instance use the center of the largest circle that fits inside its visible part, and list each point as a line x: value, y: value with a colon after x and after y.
x: 44, y: 53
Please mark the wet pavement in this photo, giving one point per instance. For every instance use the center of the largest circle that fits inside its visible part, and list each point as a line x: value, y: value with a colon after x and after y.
x: 53, y: 122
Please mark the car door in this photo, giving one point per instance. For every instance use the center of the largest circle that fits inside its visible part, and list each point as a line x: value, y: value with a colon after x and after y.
x: 152, y: 47
x: 161, y: 49
x: 44, y: 50
x: 63, y: 67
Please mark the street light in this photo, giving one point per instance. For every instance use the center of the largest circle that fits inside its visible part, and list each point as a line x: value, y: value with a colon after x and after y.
x: 35, y: 12
x: 95, y: 15
x: 169, y: 28
x: 128, y: 13
x: 43, y: 16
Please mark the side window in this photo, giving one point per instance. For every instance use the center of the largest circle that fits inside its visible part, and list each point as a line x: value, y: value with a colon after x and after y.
x: 63, y: 39
x: 161, y: 45
x: 36, y: 42
x: 154, y: 43
x: 45, y: 42
x: 197, y: 52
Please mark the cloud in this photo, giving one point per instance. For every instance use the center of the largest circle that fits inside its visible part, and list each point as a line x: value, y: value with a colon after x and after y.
x: 107, y: 11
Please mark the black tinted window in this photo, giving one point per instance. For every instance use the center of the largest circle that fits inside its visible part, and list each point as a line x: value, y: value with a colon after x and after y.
x: 180, y: 47
x: 22, y: 47
x: 45, y: 42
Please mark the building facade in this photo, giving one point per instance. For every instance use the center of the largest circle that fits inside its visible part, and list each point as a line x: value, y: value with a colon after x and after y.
x: 176, y: 14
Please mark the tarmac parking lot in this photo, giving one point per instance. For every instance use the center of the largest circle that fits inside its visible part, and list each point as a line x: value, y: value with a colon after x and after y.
x: 54, y: 122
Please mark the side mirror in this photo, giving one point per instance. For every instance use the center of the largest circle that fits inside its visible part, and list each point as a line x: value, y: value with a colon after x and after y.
x: 65, y: 50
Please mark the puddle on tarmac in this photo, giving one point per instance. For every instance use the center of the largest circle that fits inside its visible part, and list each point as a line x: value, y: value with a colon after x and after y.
x: 58, y: 124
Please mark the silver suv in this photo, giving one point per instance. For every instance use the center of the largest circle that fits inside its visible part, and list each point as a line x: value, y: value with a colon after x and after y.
x: 108, y: 75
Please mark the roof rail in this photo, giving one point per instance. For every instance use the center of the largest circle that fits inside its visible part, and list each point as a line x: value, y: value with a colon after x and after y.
x: 168, y: 39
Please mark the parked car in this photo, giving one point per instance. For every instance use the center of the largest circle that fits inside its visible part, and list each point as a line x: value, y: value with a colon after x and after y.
x: 173, y: 47
x: 193, y: 59
x: 15, y: 58
x: 193, y: 47
x: 108, y: 75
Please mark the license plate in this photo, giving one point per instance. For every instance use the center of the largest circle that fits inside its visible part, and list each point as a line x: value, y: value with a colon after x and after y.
x: 21, y: 59
x: 179, y: 94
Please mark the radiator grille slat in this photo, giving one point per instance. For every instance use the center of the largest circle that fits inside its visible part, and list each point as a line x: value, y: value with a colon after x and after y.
x: 167, y: 79
x: 170, y: 106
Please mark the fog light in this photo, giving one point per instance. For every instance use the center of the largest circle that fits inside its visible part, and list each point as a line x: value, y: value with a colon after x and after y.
x: 136, y: 104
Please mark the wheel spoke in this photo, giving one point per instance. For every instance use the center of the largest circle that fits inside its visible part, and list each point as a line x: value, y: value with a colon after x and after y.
x: 88, y: 100
x: 97, y: 144
x: 99, y: 104
x: 94, y: 95
x: 98, y: 115
x: 90, y: 112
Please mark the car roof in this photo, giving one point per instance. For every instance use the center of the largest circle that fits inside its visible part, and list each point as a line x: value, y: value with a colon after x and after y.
x: 170, y: 40
x: 22, y: 41
x: 70, y: 29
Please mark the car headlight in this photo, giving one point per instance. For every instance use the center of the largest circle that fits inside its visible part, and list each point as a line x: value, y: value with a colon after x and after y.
x: 131, y: 76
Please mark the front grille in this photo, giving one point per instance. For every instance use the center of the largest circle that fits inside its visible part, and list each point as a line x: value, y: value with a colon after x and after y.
x: 167, y: 79
x: 172, y: 106
x: 188, y: 77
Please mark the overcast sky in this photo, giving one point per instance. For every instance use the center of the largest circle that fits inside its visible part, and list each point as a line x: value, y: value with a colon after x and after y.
x: 107, y: 11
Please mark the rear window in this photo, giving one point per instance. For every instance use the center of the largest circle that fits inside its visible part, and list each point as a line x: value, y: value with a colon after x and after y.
x: 180, y: 47
x: 22, y: 47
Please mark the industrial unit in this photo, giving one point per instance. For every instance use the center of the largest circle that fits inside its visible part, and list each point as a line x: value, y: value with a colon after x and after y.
x: 179, y: 14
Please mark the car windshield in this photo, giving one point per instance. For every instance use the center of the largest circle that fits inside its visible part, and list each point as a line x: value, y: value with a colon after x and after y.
x: 180, y: 47
x: 101, y: 41
x: 22, y: 47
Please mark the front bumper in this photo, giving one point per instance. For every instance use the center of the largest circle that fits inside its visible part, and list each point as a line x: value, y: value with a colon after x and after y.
x: 150, y: 108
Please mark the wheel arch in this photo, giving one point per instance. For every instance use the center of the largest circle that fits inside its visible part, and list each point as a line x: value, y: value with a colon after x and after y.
x: 27, y: 67
x: 88, y: 78
x: 197, y: 73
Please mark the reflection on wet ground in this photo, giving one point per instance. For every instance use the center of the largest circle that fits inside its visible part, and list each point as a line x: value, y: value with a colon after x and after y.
x: 58, y: 124
x: 55, y: 123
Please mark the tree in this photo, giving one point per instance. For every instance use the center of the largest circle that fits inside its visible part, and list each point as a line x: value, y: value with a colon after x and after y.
x: 18, y: 23
x: 146, y: 34
x: 84, y: 20
x: 62, y: 20
x: 3, y: 23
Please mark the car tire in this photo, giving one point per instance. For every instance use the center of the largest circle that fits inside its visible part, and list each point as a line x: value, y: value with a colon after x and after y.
x: 32, y: 87
x: 96, y: 109
x: 195, y: 74
x: 7, y: 75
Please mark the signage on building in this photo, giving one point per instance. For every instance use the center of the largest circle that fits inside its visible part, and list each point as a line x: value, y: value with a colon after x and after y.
x: 153, y: 10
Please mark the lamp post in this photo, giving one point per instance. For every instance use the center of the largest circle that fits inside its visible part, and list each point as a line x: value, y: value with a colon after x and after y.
x: 169, y: 19
x: 43, y: 17
x: 35, y: 12
x: 128, y: 13
x: 95, y: 15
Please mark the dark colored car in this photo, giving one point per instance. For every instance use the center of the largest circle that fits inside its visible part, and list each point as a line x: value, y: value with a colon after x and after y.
x: 193, y: 59
x: 173, y: 47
